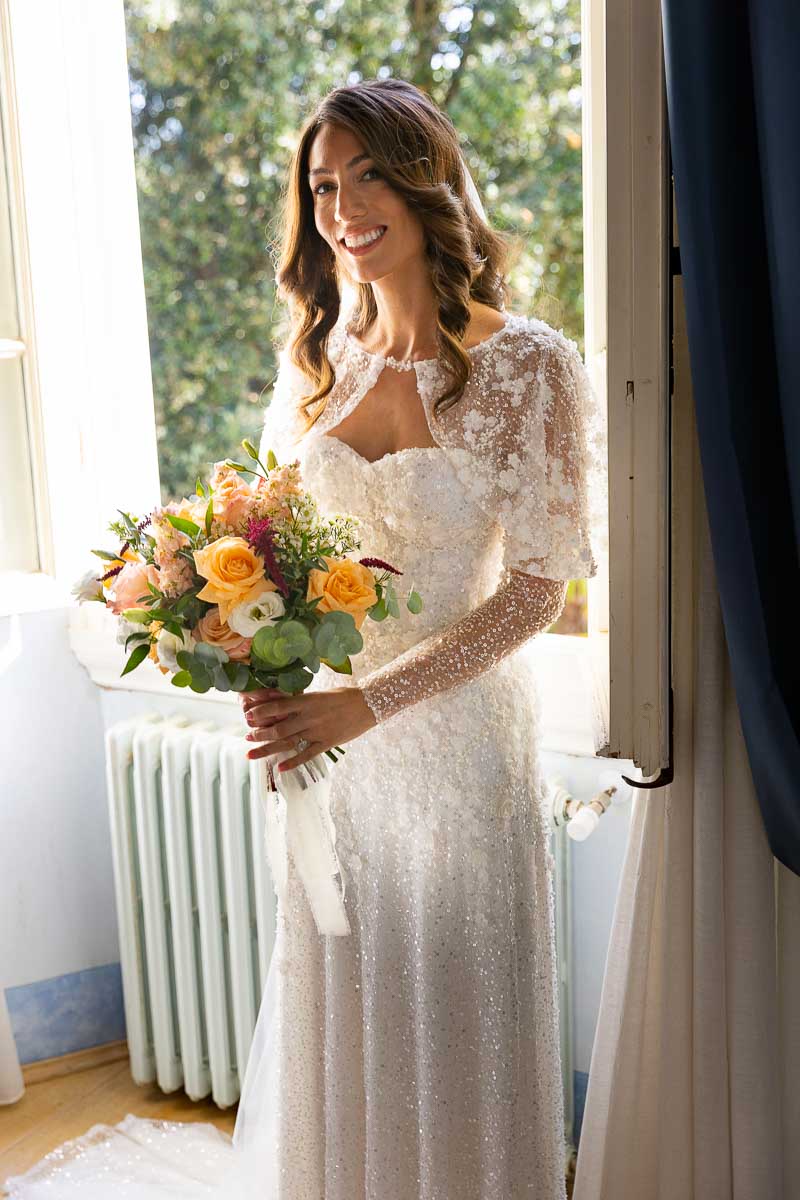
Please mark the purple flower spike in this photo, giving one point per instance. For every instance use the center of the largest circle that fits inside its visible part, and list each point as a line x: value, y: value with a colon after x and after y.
x: 380, y: 564
x: 259, y: 536
x: 109, y: 574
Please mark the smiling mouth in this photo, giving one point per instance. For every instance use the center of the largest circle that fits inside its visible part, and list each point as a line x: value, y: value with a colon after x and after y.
x: 364, y: 246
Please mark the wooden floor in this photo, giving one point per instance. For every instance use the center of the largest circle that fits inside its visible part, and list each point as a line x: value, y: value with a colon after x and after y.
x: 57, y: 1109
x: 64, y: 1107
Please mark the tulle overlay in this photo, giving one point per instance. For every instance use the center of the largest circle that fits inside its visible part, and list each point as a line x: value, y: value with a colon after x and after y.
x: 417, y: 1058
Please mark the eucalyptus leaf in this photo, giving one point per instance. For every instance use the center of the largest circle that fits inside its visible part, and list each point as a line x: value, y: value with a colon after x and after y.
x: 221, y: 681
x: 181, y: 679
x: 414, y: 602
x: 378, y: 611
x: 238, y: 675
x: 210, y: 654
x: 295, y: 680
x: 201, y: 680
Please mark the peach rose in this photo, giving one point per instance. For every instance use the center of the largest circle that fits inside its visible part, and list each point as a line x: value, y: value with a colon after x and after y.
x: 235, y: 573
x: 217, y: 632
x: 232, y: 497
x: 130, y: 556
x: 130, y: 584
x: 346, y: 586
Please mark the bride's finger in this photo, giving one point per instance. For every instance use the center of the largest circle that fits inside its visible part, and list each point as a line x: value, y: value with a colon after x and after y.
x: 272, y: 731
x: 287, y: 743
x: 304, y: 756
x: 258, y: 697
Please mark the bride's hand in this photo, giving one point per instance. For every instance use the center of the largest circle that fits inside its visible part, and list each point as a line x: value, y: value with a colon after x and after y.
x: 324, y: 719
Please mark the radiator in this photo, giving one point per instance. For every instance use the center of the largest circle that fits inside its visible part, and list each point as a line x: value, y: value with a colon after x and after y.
x: 196, y: 905
x: 195, y: 902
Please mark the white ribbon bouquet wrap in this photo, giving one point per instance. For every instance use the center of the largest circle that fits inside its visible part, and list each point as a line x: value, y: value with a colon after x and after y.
x: 298, y: 821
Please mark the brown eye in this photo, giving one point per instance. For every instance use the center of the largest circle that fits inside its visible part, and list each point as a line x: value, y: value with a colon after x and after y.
x: 317, y: 192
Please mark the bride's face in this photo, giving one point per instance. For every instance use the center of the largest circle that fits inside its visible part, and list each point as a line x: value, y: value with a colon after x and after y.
x: 351, y: 199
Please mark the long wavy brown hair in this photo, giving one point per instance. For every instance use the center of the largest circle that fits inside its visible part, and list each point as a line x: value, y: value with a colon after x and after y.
x: 416, y: 148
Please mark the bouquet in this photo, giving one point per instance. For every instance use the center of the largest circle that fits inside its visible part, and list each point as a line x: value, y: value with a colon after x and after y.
x: 246, y: 585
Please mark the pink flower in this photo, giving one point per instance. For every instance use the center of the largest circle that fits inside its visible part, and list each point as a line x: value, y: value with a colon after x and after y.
x: 130, y: 584
x: 219, y: 633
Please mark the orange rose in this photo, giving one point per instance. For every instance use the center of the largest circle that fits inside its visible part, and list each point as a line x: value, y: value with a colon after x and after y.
x: 234, y: 571
x: 346, y: 586
x: 215, y: 632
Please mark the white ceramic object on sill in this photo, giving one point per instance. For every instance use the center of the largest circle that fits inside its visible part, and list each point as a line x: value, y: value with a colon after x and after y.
x: 12, y: 1086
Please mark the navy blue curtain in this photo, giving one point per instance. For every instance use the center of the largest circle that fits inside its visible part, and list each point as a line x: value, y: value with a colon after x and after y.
x: 734, y: 115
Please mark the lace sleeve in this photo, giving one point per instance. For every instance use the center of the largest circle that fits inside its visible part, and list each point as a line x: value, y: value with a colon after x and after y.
x: 556, y: 519
x: 522, y: 606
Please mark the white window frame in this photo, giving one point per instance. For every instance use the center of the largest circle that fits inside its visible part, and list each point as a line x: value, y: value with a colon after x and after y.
x: 600, y: 694
x: 84, y: 285
x: 639, y: 411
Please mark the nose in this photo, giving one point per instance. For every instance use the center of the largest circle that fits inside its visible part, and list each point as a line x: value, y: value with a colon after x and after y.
x: 348, y: 203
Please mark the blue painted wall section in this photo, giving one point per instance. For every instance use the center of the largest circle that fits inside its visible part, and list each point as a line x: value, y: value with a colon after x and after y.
x: 67, y: 1013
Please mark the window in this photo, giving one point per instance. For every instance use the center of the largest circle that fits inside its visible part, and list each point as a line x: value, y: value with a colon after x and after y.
x: 601, y: 201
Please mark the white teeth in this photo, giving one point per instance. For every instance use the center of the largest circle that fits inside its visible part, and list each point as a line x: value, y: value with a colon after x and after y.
x: 365, y: 238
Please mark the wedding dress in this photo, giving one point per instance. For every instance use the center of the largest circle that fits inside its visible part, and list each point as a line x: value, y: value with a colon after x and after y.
x: 418, y: 1057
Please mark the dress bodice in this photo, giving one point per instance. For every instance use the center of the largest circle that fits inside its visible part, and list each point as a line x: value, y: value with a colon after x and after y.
x: 414, y: 513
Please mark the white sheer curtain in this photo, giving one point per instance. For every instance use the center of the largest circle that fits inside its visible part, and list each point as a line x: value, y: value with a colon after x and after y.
x: 694, y: 1085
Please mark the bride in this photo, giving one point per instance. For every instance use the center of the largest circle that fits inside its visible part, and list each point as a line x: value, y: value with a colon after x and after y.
x: 418, y: 1057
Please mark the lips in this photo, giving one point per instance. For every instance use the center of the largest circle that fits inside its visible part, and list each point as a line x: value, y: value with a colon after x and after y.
x: 367, y: 245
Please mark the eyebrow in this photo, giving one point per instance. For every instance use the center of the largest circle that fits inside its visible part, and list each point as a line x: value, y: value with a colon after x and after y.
x: 326, y: 170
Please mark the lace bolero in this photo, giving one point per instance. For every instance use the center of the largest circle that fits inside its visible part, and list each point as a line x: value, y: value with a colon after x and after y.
x: 528, y: 443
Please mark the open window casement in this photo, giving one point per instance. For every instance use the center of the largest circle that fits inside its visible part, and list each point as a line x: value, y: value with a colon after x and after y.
x: 632, y: 154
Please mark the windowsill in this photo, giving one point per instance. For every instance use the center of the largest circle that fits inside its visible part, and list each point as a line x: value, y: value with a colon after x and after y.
x: 31, y: 591
x: 561, y: 664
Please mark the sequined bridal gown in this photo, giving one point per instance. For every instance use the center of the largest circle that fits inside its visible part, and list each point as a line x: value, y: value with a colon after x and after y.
x: 417, y: 1058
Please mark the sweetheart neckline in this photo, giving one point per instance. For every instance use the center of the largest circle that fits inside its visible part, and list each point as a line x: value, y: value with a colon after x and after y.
x: 373, y: 462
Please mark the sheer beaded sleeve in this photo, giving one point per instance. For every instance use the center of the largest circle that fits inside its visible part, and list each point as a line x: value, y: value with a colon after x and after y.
x: 522, y: 606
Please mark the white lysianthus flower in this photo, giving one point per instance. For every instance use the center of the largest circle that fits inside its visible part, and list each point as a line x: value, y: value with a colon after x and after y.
x: 126, y: 628
x: 87, y: 587
x: 248, y: 618
x: 168, y: 646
